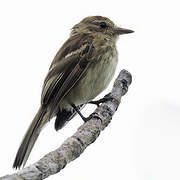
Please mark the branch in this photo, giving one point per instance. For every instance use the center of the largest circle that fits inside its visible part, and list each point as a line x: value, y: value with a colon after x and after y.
x: 86, y: 134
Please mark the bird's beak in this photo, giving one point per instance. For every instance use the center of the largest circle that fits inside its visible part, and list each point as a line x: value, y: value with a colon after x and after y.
x: 119, y: 31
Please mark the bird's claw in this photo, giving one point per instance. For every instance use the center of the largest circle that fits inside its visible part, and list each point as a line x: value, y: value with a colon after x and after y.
x: 104, y: 99
x: 93, y: 115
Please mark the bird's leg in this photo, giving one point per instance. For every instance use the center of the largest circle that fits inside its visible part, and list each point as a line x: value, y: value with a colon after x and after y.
x: 85, y: 119
x: 104, y: 99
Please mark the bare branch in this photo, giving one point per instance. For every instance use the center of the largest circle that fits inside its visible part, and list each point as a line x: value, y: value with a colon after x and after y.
x: 86, y: 134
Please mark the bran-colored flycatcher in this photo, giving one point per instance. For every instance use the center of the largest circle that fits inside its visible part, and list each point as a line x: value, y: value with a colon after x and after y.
x: 81, y: 69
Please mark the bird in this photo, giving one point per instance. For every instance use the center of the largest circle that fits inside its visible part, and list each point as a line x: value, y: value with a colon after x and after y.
x: 81, y: 70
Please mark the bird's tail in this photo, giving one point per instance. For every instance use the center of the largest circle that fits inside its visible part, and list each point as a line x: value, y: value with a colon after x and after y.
x: 30, y: 137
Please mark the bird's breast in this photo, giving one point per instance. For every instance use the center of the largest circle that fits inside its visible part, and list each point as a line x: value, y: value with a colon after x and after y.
x: 96, y: 79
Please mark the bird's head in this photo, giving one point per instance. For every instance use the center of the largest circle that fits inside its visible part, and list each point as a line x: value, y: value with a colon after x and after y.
x: 99, y: 25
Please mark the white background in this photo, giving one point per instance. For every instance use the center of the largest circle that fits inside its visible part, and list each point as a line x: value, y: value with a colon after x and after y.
x: 143, y: 140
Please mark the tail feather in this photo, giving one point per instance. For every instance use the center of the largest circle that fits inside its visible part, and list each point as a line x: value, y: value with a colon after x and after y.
x: 30, y: 138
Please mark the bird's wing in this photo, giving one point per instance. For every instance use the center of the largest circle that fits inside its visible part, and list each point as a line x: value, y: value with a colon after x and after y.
x: 65, y: 74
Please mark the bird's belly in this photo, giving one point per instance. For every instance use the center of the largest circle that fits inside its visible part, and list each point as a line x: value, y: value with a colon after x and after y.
x: 96, y: 79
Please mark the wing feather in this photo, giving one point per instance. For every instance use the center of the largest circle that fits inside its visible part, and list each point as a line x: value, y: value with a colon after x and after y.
x: 63, y: 76
x: 68, y: 84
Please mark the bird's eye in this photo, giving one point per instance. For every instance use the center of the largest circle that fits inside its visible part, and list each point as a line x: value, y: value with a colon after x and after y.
x: 103, y: 25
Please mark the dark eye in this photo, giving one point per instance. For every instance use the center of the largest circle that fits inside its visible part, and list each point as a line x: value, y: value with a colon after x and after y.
x: 103, y: 25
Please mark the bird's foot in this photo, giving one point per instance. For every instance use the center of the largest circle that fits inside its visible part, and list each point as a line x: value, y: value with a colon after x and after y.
x: 85, y: 119
x: 93, y: 115
x: 104, y: 99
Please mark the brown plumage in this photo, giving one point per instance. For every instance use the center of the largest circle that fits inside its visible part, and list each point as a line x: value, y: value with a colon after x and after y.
x: 81, y: 69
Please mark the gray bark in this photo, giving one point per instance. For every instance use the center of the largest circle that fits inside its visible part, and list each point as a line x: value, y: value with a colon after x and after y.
x: 86, y: 134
